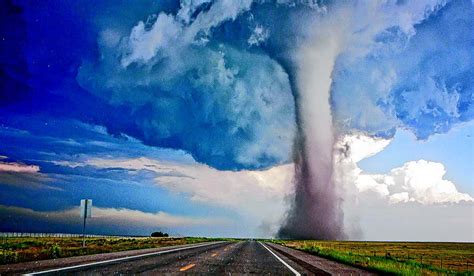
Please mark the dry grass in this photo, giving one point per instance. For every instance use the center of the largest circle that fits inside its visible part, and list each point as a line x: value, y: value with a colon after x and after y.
x: 15, y: 250
x: 396, y: 257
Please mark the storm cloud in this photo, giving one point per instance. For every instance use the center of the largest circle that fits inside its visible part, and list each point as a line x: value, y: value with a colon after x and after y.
x: 245, y: 84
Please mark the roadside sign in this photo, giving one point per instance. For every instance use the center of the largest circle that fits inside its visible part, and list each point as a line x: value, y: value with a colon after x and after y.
x: 86, y: 208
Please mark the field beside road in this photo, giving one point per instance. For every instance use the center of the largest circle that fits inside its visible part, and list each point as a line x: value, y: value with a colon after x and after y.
x: 394, y: 257
x: 24, y: 249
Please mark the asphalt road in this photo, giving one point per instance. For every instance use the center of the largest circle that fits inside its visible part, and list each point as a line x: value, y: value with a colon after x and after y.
x: 245, y: 257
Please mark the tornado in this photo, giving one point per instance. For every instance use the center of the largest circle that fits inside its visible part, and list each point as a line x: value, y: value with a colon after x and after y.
x: 315, y: 211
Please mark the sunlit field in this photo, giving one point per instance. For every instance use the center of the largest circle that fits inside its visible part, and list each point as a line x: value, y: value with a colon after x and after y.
x: 395, y: 257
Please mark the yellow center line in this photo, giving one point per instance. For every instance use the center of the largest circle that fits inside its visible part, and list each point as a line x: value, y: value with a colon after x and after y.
x: 213, y: 255
x: 184, y: 268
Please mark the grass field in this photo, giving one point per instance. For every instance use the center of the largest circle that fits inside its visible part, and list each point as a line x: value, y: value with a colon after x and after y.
x: 15, y: 250
x: 408, y: 258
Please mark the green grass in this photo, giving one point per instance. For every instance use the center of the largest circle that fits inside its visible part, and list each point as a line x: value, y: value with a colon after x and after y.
x: 400, y: 258
x: 23, y: 249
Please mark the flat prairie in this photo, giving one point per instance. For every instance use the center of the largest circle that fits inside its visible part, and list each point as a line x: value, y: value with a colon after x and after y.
x: 394, y: 257
x: 23, y: 249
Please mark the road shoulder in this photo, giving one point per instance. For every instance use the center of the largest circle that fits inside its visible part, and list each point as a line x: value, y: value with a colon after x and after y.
x: 306, y: 260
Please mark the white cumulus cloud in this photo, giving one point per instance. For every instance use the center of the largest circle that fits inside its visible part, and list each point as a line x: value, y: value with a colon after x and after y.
x: 424, y: 182
x: 419, y: 181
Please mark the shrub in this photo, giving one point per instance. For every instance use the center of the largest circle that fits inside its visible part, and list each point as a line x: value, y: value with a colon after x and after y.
x: 159, y: 234
x: 8, y: 256
x: 55, y: 251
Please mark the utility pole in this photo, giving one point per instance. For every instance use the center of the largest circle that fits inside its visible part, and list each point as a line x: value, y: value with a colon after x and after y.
x: 86, y: 212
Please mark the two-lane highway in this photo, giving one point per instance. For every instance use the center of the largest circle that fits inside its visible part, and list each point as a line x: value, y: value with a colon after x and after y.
x: 218, y: 258
x: 247, y: 257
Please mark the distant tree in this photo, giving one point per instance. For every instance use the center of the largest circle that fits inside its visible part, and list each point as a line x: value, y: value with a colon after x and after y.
x: 159, y: 234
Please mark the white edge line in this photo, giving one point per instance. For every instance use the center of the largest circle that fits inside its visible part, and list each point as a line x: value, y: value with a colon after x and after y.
x: 280, y: 259
x: 119, y: 259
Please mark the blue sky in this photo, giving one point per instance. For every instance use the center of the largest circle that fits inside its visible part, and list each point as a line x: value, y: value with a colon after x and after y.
x: 454, y: 149
x: 185, y: 116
